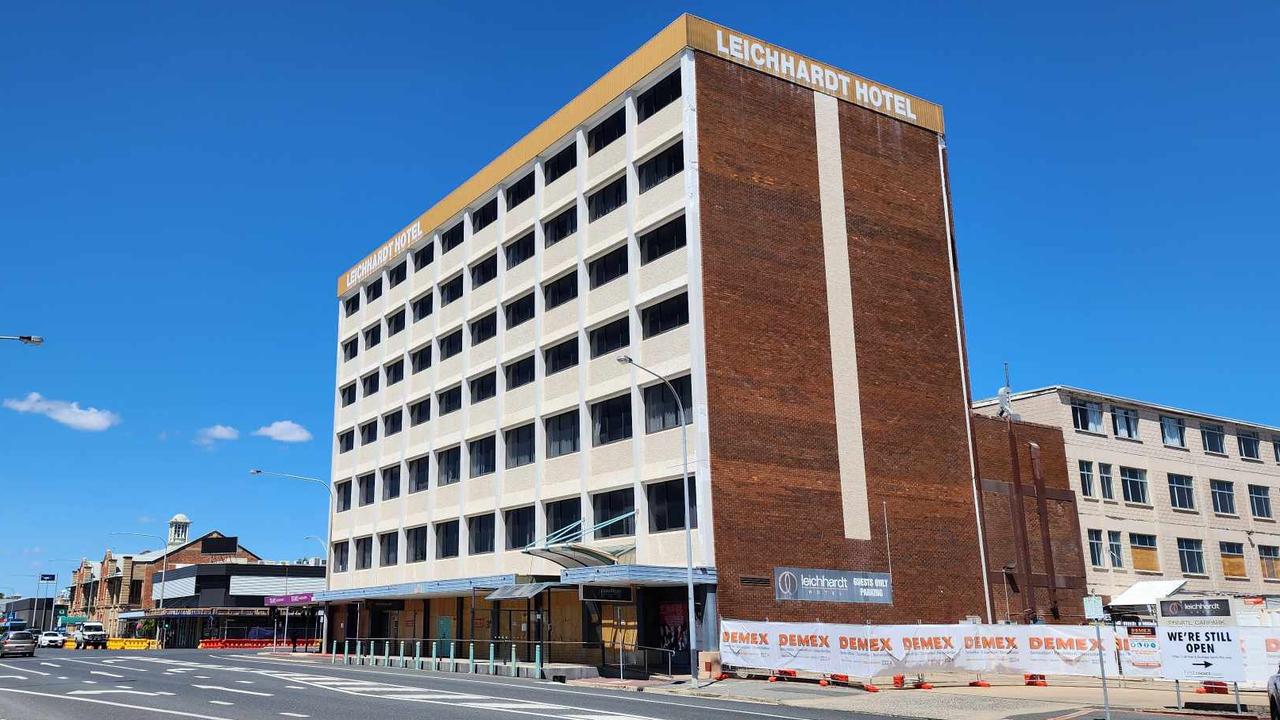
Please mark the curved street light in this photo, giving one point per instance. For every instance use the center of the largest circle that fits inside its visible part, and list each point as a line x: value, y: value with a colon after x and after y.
x: 24, y: 339
x: 328, y: 529
x: 164, y: 565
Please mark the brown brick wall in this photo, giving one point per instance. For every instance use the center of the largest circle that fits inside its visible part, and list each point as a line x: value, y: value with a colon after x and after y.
x: 774, y: 468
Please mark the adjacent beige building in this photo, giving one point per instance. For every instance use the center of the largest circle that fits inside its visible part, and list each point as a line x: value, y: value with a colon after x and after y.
x: 1166, y: 493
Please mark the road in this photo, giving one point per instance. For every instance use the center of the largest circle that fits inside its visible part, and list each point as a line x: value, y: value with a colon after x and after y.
x: 66, y: 684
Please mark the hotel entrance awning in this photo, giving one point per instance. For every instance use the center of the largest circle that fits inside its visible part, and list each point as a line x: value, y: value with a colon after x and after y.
x: 521, y: 591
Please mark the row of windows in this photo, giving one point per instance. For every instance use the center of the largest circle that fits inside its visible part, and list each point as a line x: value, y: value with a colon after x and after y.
x: 1087, y: 417
x: 612, y: 511
x: 610, y: 422
x: 1182, y: 495
x: 601, y: 270
x: 1144, y: 551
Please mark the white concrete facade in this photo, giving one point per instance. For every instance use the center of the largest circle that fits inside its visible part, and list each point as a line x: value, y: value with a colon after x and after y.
x: 635, y: 463
x: 1169, y: 441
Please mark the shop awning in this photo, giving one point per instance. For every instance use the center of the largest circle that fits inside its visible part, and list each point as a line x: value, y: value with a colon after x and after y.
x: 519, y: 592
x: 431, y: 588
x: 573, y: 555
x: 647, y: 575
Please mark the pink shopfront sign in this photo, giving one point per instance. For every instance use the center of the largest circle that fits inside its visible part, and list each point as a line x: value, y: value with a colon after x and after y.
x: 294, y: 599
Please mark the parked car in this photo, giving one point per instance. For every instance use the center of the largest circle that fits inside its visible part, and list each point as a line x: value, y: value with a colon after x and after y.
x: 18, y: 642
x: 91, y: 635
x: 52, y: 638
x: 1273, y: 695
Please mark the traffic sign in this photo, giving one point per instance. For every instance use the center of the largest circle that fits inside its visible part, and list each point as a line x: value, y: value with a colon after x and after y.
x: 1201, y: 652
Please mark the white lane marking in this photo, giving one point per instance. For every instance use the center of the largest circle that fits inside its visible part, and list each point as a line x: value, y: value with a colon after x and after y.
x: 245, y: 682
x: 62, y: 677
x: 125, y: 687
x: 23, y: 669
x: 116, y: 692
x: 116, y: 704
x: 296, y: 687
x: 100, y: 672
x: 202, y: 677
x: 220, y: 702
x: 289, y: 714
x: 519, y: 705
x: 232, y: 690
x: 89, y: 682
x: 18, y: 677
x: 49, y: 664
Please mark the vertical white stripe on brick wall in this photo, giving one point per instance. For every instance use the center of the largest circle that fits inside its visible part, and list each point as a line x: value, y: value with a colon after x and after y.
x: 844, y: 359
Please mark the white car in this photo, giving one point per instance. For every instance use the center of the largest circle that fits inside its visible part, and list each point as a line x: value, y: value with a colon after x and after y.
x: 50, y: 638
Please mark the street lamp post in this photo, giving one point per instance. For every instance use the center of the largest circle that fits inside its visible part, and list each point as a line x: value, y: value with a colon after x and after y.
x: 164, y: 565
x: 688, y: 520
x: 24, y: 339
x: 324, y: 641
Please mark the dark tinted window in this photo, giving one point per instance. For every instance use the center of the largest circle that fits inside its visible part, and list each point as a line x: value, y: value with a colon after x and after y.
x: 484, y: 271
x: 611, y: 420
x: 609, y: 129
x: 653, y: 171
x: 416, y: 544
x: 520, y: 191
x: 420, y: 412
x: 351, y: 304
x: 369, y: 432
x: 607, y: 199
x: 662, y: 240
x: 423, y: 257
x: 395, y: 323
x: 346, y: 440
x: 520, y: 373
x: 373, y: 291
x: 369, y: 384
x: 560, y: 227
x: 344, y: 495
x: 610, y: 266
x: 397, y: 274
x: 482, y: 453
x: 447, y: 539
x: 666, y: 91
x: 519, y: 311
x: 608, y: 338
x: 484, y: 387
x: 451, y: 238
x: 519, y: 250
x: 611, y: 505
x: 366, y: 486
x: 451, y: 344
x: 562, y: 356
x: 395, y: 372
x: 484, y: 328
x: 666, y: 315
x: 391, y: 482
x: 480, y: 530
x: 666, y: 506
x: 421, y: 358
x: 372, y: 336
x: 519, y: 522
x: 448, y: 466
x: 519, y: 445
x: 563, y: 513
x: 449, y: 400
x: 393, y: 422
x: 484, y: 216
x: 561, y: 290
x: 422, y: 307
x: 348, y: 394
x: 562, y: 434
x: 559, y: 164
x: 661, y: 411
x: 350, y: 348
x: 451, y: 290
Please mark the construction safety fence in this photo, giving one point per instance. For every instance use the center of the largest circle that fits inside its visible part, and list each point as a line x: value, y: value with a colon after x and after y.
x: 308, y: 644
x: 118, y: 644
x: 868, y: 651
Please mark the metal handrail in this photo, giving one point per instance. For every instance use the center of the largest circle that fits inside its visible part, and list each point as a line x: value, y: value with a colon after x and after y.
x: 448, y: 649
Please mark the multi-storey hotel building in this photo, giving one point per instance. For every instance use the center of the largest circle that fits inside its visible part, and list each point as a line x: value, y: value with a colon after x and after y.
x: 1165, y: 493
x: 771, y: 234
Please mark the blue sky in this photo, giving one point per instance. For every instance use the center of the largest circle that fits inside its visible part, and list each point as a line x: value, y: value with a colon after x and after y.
x: 180, y: 186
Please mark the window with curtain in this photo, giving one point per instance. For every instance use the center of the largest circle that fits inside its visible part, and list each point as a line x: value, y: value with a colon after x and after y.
x: 612, y: 505
x: 660, y: 409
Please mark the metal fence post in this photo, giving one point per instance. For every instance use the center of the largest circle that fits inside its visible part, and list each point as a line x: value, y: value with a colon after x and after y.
x: 513, y: 658
x: 537, y: 661
x: 471, y: 656
x: 434, y: 662
x: 346, y: 652
x: 402, y: 658
x: 417, y: 654
x: 453, y: 666
x: 491, y: 664
x: 386, y: 653
x: 333, y: 653
x: 359, y: 652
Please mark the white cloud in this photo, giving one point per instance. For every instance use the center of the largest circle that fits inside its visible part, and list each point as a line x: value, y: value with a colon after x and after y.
x: 208, y: 436
x: 284, y: 431
x: 67, y: 413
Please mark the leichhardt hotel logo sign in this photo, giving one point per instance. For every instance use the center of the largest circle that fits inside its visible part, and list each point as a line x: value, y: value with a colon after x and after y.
x: 385, y: 252
x: 845, y: 586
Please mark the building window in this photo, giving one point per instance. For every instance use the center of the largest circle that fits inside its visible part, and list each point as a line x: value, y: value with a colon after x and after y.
x: 1270, y: 557
x: 1275, y: 446
x: 1247, y: 440
x: 1143, y: 549
x: 1232, y: 559
x: 1086, y: 416
x: 1115, y: 548
x: 1095, y: 547
x: 449, y: 400
x: 416, y: 544
x: 519, y: 445
x: 369, y: 384
x: 372, y: 336
x: 484, y: 387
x: 561, y: 290
x: 397, y: 274
x: 1224, y: 497
x: 451, y: 344
x: 484, y: 216
x: 559, y: 164
x: 369, y: 432
x: 563, y: 514
x: 611, y: 336
x: 610, y: 266
x: 666, y: 315
x: 611, y: 420
x: 451, y: 238
x: 341, y: 556
x: 562, y: 434
x: 519, y: 191
x: 482, y: 454
x: 1104, y: 481
x: 418, y: 473
x: 1214, y: 439
x: 660, y: 409
x: 447, y: 539
x: 373, y: 291
x: 391, y: 482
x: 520, y: 527
x: 1260, y: 501
x: 388, y: 549
x: 448, y: 466
x: 617, y: 506
x: 1124, y: 422
x: 348, y: 394
x: 484, y: 271
x: 451, y: 290
x: 666, y: 506
x: 480, y: 531
x: 351, y: 305
x: 1181, y: 494
x: 423, y: 257
x: 607, y: 199
x: 1191, y: 556
x: 364, y: 553
x: 1173, y: 431
x: 1086, y: 478
x: 392, y: 423
x: 422, y: 307
x: 660, y: 167
x: 366, y: 485
x: 421, y: 358
x: 346, y: 441
x: 562, y: 356
x: 560, y: 227
x: 343, y: 499
x: 662, y: 94
x: 350, y: 348
x: 420, y: 412
x: 519, y: 250
x: 395, y: 372
x: 662, y: 240
x: 608, y: 130
x: 1133, y: 482
x: 519, y: 373
x: 484, y: 328
x: 519, y: 311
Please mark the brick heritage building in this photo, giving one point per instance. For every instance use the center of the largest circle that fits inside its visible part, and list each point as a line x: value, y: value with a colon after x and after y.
x: 769, y: 232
